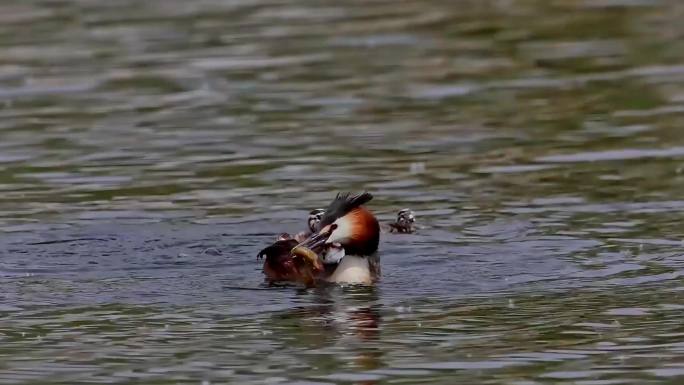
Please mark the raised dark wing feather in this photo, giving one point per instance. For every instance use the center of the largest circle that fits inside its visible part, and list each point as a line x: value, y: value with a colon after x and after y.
x: 341, y: 205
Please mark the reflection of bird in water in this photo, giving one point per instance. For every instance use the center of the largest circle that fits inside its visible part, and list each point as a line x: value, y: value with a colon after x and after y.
x: 355, y: 321
x: 343, y: 323
x: 344, y: 238
x: 405, y: 222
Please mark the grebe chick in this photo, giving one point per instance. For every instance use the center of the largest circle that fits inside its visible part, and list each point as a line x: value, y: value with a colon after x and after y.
x: 405, y: 222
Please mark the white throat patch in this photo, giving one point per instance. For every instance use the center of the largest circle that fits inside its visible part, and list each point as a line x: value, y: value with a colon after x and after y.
x: 333, y: 254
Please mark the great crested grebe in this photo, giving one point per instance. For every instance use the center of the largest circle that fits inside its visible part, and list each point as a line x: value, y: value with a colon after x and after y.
x: 312, y: 222
x: 339, y: 245
x: 404, y: 223
x: 347, y: 241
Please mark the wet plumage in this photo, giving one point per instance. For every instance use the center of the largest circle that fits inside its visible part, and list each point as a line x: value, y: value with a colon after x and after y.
x: 352, y: 234
x: 341, y: 246
x: 281, y: 266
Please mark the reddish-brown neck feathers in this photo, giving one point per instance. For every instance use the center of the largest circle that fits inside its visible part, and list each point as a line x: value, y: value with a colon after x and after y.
x: 365, y: 233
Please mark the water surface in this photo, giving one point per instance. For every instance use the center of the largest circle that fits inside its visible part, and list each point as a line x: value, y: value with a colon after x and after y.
x: 149, y: 150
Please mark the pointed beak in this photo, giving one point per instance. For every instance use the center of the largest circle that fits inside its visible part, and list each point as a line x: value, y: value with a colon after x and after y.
x: 308, y: 249
x: 316, y: 240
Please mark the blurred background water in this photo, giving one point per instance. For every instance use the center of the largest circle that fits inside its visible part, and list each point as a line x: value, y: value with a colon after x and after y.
x: 148, y: 150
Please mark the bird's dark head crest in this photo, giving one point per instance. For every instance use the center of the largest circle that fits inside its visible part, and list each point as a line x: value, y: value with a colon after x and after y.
x: 342, y: 205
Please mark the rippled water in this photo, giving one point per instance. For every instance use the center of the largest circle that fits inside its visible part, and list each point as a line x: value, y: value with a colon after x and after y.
x: 148, y: 150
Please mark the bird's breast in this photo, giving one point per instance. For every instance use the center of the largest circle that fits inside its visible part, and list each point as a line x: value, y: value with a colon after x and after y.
x: 352, y: 270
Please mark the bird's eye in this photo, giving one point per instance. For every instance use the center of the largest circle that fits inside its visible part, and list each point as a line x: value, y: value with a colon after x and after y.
x: 333, y: 227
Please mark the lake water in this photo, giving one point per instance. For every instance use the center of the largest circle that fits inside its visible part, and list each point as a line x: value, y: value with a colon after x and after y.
x: 149, y: 150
